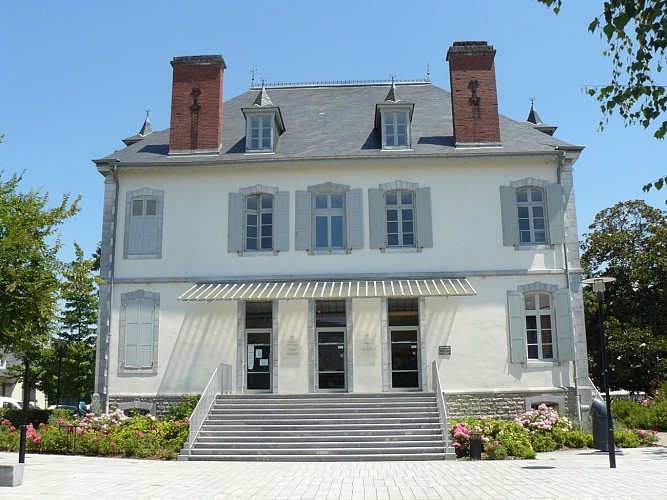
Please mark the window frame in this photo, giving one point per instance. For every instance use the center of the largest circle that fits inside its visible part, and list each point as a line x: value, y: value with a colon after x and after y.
x: 130, y: 238
x: 400, y: 208
x: 237, y: 220
x: 328, y: 214
x: 538, y: 312
x: 391, y: 109
x: 260, y: 226
x: 142, y: 296
x: 275, y: 129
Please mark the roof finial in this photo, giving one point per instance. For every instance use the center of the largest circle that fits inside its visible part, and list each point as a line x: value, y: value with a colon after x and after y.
x: 533, y: 117
x: 252, y: 80
x: 428, y: 72
x: 263, y: 98
x: 391, y: 95
x: 146, y: 128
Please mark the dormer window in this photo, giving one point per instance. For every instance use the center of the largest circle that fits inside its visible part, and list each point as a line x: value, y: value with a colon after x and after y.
x: 264, y: 124
x: 393, y: 118
x: 260, y: 133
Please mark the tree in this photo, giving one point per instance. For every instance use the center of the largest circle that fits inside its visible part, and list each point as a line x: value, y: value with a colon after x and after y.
x: 635, y: 32
x: 29, y: 266
x: 79, y: 325
x: 629, y: 242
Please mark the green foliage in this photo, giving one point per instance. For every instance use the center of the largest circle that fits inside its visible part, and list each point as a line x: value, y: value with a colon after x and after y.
x: 626, y: 439
x: 106, y: 435
x: 643, y: 415
x: 184, y: 409
x: 29, y: 281
x: 496, y: 451
x: 34, y: 415
x: 629, y: 242
x: 636, y: 38
x: 511, y: 438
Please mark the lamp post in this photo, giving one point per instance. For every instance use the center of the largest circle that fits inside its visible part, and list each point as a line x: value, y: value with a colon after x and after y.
x: 599, y: 288
x: 59, y: 343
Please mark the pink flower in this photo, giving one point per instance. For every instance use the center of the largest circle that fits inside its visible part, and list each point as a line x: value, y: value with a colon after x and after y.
x: 655, y: 433
x: 12, y: 429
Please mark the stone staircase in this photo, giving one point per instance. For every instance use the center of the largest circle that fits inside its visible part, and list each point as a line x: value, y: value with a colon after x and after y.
x: 321, y: 427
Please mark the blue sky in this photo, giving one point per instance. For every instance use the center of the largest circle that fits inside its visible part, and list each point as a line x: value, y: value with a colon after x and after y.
x: 76, y: 77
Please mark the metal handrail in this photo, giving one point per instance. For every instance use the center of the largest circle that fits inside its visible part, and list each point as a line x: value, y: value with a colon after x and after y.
x: 220, y: 383
x: 442, y: 405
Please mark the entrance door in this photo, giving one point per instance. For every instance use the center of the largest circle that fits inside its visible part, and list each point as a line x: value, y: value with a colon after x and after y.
x: 404, y: 359
x: 331, y: 360
x: 258, y: 372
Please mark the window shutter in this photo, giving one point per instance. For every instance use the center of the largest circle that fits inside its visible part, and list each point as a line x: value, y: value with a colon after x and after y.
x: 354, y: 222
x: 235, y: 223
x: 281, y: 221
x: 150, y: 227
x: 136, y: 227
x: 145, y: 340
x: 516, y: 325
x: 509, y: 216
x: 564, y: 325
x: 424, y: 229
x: 555, y: 213
x: 376, y: 218
x: 131, y: 332
x: 303, y: 221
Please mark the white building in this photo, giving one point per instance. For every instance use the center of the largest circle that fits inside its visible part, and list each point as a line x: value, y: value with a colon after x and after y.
x: 343, y: 237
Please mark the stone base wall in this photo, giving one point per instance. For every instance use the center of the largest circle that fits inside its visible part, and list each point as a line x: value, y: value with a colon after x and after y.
x: 505, y: 405
x: 156, y: 406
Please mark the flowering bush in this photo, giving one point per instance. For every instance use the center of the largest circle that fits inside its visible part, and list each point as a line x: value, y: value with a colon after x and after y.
x: 512, y: 439
x: 546, y: 427
x: 645, y: 414
x: 496, y: 451
x: 105, y: 435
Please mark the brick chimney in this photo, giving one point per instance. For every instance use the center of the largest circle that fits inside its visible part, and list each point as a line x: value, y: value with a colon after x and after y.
x: 196, y: 104
x: 472, y: 78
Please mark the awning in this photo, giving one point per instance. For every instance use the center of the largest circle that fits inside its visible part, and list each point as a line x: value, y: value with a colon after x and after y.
x: 328, y: 289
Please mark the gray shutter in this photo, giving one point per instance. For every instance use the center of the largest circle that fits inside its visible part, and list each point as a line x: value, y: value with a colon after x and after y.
x: 303, y: 220
x: 376, y: 218
x: 131, y: 332
x: 354, y: 219
x: 424, y: 233
x: 145, y: 340
x: 564, y: 325
x: 509, y: 216
x: 281, y: 221
x: 516, y: 324
x: 136, y: 226
x: 150, y: 227
x: 555, y: 213
x: 235, y: 223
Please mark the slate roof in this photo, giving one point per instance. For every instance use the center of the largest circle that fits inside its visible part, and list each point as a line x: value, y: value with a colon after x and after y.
x: 338, y: 121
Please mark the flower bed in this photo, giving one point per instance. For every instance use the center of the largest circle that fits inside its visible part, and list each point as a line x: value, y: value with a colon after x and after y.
x: 113, y: 434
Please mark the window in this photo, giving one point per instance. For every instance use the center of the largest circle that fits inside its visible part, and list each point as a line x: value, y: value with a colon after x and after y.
x: 400, y: 219
x: 393, y: 119
x: 264, y: 124
x: 329, y: 221
x: 258, y: 220
x: 395, y: 129
x: 532, y: 213
x: 540, y: 324
x: 139, y: 331
x: 260, y: 135
x: 328, y: 218
x: 400, y: 216
x: 143, y: 224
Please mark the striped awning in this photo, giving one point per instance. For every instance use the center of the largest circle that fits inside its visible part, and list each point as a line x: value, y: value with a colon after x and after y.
x: 328, y: 289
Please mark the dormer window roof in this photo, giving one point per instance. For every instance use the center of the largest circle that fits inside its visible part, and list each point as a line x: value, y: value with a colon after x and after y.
x: 393, y: 117
x: 264, y: 124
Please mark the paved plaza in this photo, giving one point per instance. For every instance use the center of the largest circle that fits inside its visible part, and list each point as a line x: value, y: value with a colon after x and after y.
x: 578, y: 474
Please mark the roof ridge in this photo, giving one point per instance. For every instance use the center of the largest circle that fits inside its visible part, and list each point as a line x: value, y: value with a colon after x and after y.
x: 343, y: 83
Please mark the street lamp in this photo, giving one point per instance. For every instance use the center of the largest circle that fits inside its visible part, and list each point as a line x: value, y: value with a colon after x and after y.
x: 60, y: 344
x: 599, y: 288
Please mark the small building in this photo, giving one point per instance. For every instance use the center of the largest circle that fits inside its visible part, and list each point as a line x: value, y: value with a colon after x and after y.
x: 345, y: 237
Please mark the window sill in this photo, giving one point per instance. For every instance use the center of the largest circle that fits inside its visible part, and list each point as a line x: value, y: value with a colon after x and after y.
x: 129, y: 370
x: 143, y: 256
x: 533, y: 247
x: 536, y: 363
x: 260, y: 152
x: 396, y: 148
x: 258, y: 253
x: 400, y: 250
x: 321, y: 251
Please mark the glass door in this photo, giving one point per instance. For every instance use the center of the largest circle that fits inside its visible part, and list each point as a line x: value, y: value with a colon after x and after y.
x: 331, y: 360
x: 258, y: 371
x: 404, y: 359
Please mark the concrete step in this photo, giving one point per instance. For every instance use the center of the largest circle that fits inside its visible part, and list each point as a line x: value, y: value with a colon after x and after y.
x: 318, y: 445
x: 320, y: 458
x: 320, y: 451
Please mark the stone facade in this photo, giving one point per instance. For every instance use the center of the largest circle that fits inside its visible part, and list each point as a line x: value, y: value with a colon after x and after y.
x: 158, y: 407
x: 506, y: 405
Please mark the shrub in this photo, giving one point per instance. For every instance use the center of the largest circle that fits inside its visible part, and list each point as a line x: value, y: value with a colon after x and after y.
x: 626, y: 439
x: 546, y: 427
x: 577, y: 439
x: 496, y: 451
x: 184, y: 409
x: 514, y: 439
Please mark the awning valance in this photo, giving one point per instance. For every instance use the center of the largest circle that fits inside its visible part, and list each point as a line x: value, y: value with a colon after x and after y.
x: 328, y: 289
